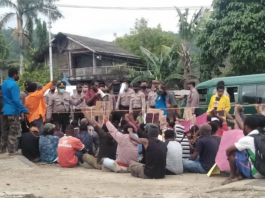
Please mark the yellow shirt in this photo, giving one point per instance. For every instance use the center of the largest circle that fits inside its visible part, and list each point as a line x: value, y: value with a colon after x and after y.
x: 224, y: 104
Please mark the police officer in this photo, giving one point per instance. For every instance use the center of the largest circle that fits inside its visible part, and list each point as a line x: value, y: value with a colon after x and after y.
x: 78, y: 115
x: 60, y: 106
x: 124, y: 98
x: 153, y: 95
x: 49, y: 95
x: 145, y: 90
x: 23, y: 120
x: 137, y: 102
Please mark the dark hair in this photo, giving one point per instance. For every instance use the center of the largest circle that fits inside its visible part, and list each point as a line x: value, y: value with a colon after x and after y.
x: 74, y: 123
x: 220, y: 85
x: 93, y: 83
x: 191, y: 83
x: 45, y: 133
x: 171, y: 124
x: 83, y: 127
x: 32, y: 87
x: 56, y: 124
x: 69, y: 130
x: 214, y: 127
x: 219, y: 123
x: 126, y: 127
x: 136, y: 85
x: 12, y: 71
x: 169, y: 134
x: 105, y: 129
x: 142, y: 126
x: 194, y: 129
x: 251, y: 122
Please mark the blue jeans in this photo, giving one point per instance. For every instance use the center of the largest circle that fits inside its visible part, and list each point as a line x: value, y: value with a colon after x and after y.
x: 243, y: 164
x: 193, y: 167
x: 79, y: 155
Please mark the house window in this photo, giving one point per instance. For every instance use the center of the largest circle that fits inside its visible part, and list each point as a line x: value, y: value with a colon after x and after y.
x: 202, y: 96
x: 249, y: 94
x: 260, y: 94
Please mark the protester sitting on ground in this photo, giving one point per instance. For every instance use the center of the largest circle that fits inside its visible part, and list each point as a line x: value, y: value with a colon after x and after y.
x: 57, y: 131
x: 206, y: 148
x: 220, y: 121
x: 92, y: 132
x: 183, y: 140
x: 86, y: 138
x: 219, y: 101
x: 242, y: 154
x: 156, y: 154
x: 127, y: 150
x: 107, y: 144
x: 214, y: 130
x: 174, y: 154
x: 192, y: 137
x: 48, y: 144
x: 30, y: 144
x: 70, y: 149
x: 36, y: 105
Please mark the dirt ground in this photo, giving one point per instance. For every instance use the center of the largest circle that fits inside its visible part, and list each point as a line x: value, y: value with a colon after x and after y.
x: 51, y: 181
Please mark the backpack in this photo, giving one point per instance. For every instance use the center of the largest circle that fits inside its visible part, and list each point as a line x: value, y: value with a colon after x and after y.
x: 259, y: 163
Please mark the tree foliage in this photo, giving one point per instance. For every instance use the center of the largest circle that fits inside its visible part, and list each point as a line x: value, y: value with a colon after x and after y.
x: 121, y: 71
x: 151, y: 39
x: 40, y: 76
x: 42, y: 34
x: 235, y: 33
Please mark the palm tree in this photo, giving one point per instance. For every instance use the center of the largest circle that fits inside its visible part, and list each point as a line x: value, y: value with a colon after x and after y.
x: 163, y: 67
x: 26, y: 11
x: 187, y: 32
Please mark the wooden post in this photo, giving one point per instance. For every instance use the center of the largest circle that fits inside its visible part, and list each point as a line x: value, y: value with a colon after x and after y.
x: 94, y: 64
x: 70, y: 63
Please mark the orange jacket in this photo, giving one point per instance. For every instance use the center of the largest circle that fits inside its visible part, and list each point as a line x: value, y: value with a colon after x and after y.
x: 36, y: 104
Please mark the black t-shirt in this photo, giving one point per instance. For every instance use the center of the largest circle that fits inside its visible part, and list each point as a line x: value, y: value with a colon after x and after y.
x: 30, y: 145
x: 207, y: 148
x: 107, y: 145
x: 155, y: 156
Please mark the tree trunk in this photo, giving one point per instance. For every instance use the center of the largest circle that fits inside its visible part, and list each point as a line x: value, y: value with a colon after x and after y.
x: 186, y: 61
x: 21, y: 63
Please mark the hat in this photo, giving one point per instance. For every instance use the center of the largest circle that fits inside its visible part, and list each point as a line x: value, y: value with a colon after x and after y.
x: 146, y: 127
x: 205, y: 130
x: 153, y: 131
x: 61, y: 84
x: 84, y: 120
x: 26, y: 83
x: 48, y: 127
x: 155, y: 82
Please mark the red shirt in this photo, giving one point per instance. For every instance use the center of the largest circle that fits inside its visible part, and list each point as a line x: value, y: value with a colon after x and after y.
x: 224, y: 129
x: 67, y: 148
x: 89, y: 95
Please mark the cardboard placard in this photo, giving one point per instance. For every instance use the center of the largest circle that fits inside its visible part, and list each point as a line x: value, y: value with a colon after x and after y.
x: 102, y: 108
x: 155, y: 111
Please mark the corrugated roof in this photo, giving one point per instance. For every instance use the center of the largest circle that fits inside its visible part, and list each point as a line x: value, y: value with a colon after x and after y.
x: 234, y: 80
x: 100, y: 46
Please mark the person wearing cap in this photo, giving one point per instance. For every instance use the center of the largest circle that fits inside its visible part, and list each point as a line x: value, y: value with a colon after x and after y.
x: 155, y: 156
x: 193, y: 98
x: 145, y: 90
x: 36, y: 104
x: 206, y: 148
x: 60, y: 106
x: 151, y: 101
x: 22, y: 96
x: 78, y: 115
x: 48, y: 144
x: 137, y: 103
x: 219, y: 101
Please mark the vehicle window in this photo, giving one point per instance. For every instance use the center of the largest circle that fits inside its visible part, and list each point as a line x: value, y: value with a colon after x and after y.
x: 233, y: 94
x: 249, y: 94
x: 202, y: 96
x: 260, y: 94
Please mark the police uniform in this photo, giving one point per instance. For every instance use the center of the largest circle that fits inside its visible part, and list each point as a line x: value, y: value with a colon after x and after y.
x: 48, y: 97
x: 146, y: 93
x: 60, y: 107
x: 137, y: 104
x: 152, y: 99
x: 78, y: 115
x: 123, y: 102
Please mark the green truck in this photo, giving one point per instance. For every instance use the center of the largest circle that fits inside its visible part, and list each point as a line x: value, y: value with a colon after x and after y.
x: 244, y: 90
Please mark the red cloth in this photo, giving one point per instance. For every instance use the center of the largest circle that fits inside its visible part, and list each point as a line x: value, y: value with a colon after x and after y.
x: 224, y: 129
x: 67, y: 148
x: 186, y: 125
x: 202, y: 119
x: 89, y: 95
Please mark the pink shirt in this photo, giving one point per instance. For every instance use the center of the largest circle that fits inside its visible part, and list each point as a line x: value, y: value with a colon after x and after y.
x: 128, y: 150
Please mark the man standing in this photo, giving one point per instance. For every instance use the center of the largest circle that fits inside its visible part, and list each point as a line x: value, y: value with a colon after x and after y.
x: 155, y: 156
x: 161, y: 98
x: 60, y: 106
x: 92, y: 96
x: 48, y: 96
x: 124, y: 98
x: 23, y: 95
x: 137, y: 103
x: 78, y: 115
x: 193, y: 98
x: 12, y: 110
x: 145, y: 90
x: 151, y: 101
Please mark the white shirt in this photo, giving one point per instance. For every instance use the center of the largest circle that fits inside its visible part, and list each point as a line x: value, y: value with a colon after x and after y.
x: 174, y: 157
x: 247, y: 143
